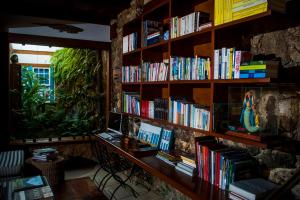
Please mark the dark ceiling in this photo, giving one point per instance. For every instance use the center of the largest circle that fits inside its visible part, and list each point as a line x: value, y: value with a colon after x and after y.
x: 90, y: 11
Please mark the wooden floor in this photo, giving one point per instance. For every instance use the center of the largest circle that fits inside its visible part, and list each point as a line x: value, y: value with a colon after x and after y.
x: 79, y: 189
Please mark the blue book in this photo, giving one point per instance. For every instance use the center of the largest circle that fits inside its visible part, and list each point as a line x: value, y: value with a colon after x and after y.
x: 255, y: 75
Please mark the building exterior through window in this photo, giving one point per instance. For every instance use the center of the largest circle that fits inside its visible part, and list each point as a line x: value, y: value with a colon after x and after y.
x: 36, y: 58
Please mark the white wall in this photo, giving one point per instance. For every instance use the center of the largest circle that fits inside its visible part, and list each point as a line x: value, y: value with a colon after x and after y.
x: 34, y: 47
x: 31, y: 58
x: 92, y: 32
x: 37, y: 59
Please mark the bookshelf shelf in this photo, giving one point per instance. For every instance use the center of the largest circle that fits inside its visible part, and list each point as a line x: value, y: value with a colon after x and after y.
x: 191, y: 35
x: 246, y: 80
x: 156, y: 45
x: 131, y: 53
x: 155, y: 83
x: 190, y: 82
x: 131, y: 115
x: 240, y: 140
x: 131, y: 83
x: 154, y: 5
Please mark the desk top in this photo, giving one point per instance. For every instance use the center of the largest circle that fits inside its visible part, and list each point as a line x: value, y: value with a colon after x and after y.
x: 195, y: 188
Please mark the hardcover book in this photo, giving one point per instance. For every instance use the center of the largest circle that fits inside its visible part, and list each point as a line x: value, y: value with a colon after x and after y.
x: 33, y: 194
x: 252, y: 188
x: 27, y: 183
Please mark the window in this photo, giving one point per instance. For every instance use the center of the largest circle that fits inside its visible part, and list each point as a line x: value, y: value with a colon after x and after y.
x: 43, y: 74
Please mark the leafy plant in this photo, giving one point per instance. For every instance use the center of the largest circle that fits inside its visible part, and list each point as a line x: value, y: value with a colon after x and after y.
x: 78, y: 101
x: 75, y: 72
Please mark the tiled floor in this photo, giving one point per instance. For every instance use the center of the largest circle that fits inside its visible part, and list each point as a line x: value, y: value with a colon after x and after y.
x: 122, y: 193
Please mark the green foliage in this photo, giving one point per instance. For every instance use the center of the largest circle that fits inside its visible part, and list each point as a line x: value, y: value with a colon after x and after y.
x: 75, y: 72
x: 32, y: 101
x: 77, y: 106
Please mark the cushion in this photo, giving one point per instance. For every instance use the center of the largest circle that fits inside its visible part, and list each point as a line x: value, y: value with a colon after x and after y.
x: 11, y: 163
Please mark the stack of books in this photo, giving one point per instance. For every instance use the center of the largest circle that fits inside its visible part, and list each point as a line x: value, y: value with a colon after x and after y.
x: 168, y: 157
x: 45, y: 154
x: 152, y: 32
x: 187, y: 165
x: 250, y: 189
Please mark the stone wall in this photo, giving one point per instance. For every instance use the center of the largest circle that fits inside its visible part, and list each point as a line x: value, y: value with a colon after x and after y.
x: 278, y: 104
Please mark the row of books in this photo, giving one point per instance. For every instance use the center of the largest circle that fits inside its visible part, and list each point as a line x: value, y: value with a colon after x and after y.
x: 194, y: 68
x: 155, y: 71
x: 227, y: 62
x: 188, y: 114
x: 131, y: 74
x: 226, y: 11
x: 156, y: 136
x: 221, y: 165
x: 130, y: 42
x: 131, y: 103
x: 188, y: 24
x: 157, y: 109
x: 230, y: 63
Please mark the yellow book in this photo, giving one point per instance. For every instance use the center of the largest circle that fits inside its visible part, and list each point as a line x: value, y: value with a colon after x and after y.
x: 252, y: 67
x: 249, y: 12
x: 207, y: 66
x: 227, y: 11
x: 219, y: 12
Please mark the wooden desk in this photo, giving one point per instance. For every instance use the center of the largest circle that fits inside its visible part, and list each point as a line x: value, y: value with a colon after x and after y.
x: 193, y: 188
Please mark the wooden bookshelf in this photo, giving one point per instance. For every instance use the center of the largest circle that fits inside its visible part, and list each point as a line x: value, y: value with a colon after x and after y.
x: 201, y: 43
x: 207, y: 37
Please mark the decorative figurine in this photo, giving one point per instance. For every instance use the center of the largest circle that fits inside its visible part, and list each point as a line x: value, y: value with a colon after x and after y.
x: 249, y: 118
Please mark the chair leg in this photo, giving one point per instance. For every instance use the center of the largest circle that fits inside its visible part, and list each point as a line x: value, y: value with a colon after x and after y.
x: 106, y: 182
x: 108, y: 174
x: 96, y: 173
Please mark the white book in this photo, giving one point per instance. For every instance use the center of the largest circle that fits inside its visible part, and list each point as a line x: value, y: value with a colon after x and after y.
x: 223, y: 61
x: 125, y: 44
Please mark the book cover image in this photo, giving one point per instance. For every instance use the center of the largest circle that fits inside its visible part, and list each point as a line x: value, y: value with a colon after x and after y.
x: 27, y: 183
